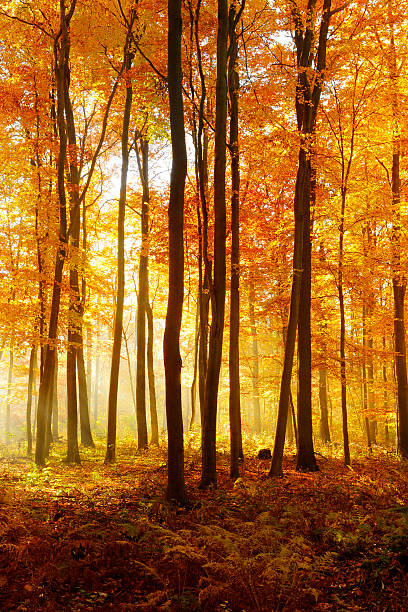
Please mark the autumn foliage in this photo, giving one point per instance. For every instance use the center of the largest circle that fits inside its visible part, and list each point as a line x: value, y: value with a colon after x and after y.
x: 203, y: 253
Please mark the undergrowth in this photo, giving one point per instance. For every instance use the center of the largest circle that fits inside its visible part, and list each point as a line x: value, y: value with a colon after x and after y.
x: 96, y: 537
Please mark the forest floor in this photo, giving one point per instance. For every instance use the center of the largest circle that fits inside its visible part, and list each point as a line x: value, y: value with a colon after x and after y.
x: 95, y: 537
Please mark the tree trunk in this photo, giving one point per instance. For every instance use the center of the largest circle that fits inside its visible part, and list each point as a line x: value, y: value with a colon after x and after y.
x: 306, y: 460
x: 343, y: 379
x: 208, y: 444
x: 255, y: 359
x: 8, y: 402
x: 284, y: 397
x: 72, y: 407
x: 143, y: 299
x: 31, y: 374
x: 385, y: 392
x: 61, y: 60
x: 86, y: 434
x: 234, y: 380
x: 324, y: 412
x: 88, y: 361
x: 306, y: 102
x: 293, y: 420
x: 364, y: 376
x: 75, y: 340
x: 204, y: 264
x: 150, y: 375
x: 110, y: 455
x: 399, y: 282
x: 193, y: 390
x: 171, y: 343
x: 96, y: 383
x: 55, y: 435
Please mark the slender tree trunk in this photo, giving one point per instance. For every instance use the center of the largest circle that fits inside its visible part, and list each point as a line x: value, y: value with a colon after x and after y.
x: 61, y: 59
x: 370, y: 382
x: 35, y: 398
x: 193, y: 390
x: 385, y: 392
x: 55, y: 435
x: 292, y: 418
x: 364, y: 373
x: 151, y: 379
x: 9, y: 385
x: 204, y: 264
x: 306, y: 460
x: 208, y: 444
x: 255, y: 359
x: 86, y: 434
x: 323, y: 398
x: 96, y: 383
x: 39, y: 247
x: 88, y: 360
x: 284, y: 397
x: 306, y: 102
x: 343, y: 380
x: 289, y: 430
x: 110, y: 455
x: 399, y: 281
x: 132, y: 387
x: 31, y: 374
x: 49, y: 438
x: 143, y: 299
x: 74, y: 309
x: 234, y: 380
x: 171, y: 344
x: 324, y: 412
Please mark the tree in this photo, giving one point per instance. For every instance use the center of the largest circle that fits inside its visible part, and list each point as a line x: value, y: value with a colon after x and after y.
x: 217, y: 289
x: 61, y: 59
x: 399, y: 282
x: 128, y: 54
x: 171, y: 343
x: 308, y: 90
x: 143, y: 293
x: 234, y: 398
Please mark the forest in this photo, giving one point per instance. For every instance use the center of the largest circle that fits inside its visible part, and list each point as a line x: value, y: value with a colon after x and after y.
x: 203, y: 270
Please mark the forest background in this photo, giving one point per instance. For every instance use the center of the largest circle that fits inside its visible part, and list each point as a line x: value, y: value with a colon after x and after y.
x: 85, y: 166
x: 202, y: 260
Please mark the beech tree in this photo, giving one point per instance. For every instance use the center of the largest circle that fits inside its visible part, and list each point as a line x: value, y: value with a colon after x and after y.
x: 234, y: 398
x: 171, y: 344
x: 128, y: 54
x: 308, y: 90
x: 217, y: 289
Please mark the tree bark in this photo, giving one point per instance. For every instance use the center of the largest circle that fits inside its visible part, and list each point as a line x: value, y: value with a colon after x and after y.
x: 364, y: 376
x: 324, y: 412
x: 85, y: 423
x: 55, y: 435
x: 31, y: 374
x: 234, y: 380
x: 204, y: 264
x: 8, y: 401
x: 143, y: 298
x: 306, y: 102
x: 255, y: 359
x: 306, y: 460
x: 343, y: 379
x: 110, y: 455
x: 96, y: 384
x: 171, y: 344
x: 399, y: 281
x: 61, y: 59
x: 154, y: 424
x: 208, y: 443
x: 193, y: 390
